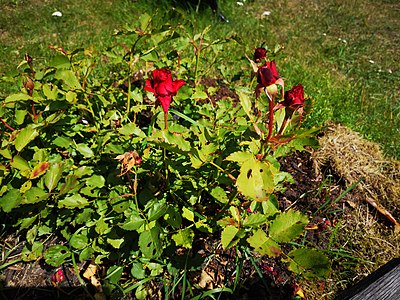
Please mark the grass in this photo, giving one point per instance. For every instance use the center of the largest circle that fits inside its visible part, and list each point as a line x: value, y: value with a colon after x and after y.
x: 343, y: 52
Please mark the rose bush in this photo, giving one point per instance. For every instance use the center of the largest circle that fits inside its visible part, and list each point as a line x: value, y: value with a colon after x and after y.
x: 80, y: 162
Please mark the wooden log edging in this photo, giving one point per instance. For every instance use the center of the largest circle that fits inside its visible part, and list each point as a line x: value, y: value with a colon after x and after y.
x: 383, y: 284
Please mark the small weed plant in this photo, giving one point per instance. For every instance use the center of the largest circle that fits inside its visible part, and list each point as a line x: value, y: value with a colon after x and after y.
x: 130, y: 167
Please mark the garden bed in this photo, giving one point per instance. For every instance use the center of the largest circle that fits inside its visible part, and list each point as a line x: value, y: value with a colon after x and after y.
x: 344, y: 225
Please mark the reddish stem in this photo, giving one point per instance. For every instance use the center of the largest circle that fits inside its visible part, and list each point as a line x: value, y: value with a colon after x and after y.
x: 166, y: 120
x: 5, y: 124
x: 271, y: 117
x: 34, y: 111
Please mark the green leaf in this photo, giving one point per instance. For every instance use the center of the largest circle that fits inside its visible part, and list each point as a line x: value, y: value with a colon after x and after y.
x: 240, y: 156
x: 114, y: 274
x: 255, y: 180
x: 10, y: 200
x: 157, y: 210
x: 144, y: 21
x: 270, y: 207
x: 62, y: 141
x: 149, y: 243
x: 32, y: 252
x: 184, y: 238
x: 287, y: 226
x: 235, y: 213
x: 24, y: 137
x: 35, y: 195
x: 204, y: 227
x: 60, y: 62
x: 56, y: 255
x: 69, y: 78
x: 53, y: 175
x: 245, y: 102
x: 171, y: 140
x: 74, y: 201
x: 71, y: 184
x: 116, y: 243
x: 71, y: 97
x: 132, y: 129
x: 17, y: 97
x: 133, y: 222
x: 198, y: 94
x: 138, y: 270
x: 187, y: 214
x: 6, y: 153
x: 308, y: 262
x: 227, y: 236
x: 173, y: 217
x: 20, y: 116
x: 86, y: 253
x: 79, y: 240
x: 219, y: 194
x: 197, y: 158
x: 50, y: 91
x: 26, y: 222
x: 102, y: 227
x: 84, y: 216
x: 19, y: 163
x: 96, y: 181
x: 264, y: 244
x: 85, y: 150
x: 255, y: 220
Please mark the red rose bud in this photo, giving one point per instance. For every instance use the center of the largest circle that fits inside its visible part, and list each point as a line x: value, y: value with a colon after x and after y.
x: 28, y: 84
x: 267, y: 74
x: 259, y: 54
x: 163, y: 87
x: 58, y: 276
x: 293, y: 98
x: 28, y: 58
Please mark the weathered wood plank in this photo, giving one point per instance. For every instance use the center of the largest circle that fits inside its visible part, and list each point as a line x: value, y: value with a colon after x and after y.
x: 383, y: 284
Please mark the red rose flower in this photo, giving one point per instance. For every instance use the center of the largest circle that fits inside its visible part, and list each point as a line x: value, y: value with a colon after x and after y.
x: 163, y: 87
x: 293, y: 98
x: 259, y: 54
x: 293, y: 101
x: 267, y: 74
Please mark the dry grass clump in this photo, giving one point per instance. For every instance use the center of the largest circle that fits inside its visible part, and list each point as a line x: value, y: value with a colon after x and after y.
x: 353, y: 158
x: 369, y: 237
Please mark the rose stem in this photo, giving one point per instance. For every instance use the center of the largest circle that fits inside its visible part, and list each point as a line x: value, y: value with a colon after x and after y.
x: 271, y: 115
x: 166, y: 120
x: 5, y: 124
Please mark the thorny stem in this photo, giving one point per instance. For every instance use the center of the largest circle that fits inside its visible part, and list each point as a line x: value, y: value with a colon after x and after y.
x: 271, y: 115
x: 5, y: 124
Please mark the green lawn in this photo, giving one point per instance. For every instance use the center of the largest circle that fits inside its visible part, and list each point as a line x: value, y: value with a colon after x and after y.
x: 345, y: 53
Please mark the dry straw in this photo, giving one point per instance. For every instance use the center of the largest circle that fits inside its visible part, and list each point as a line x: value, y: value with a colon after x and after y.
x: 355, y: 159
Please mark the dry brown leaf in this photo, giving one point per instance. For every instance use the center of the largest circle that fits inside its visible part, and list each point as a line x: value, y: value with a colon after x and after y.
x: 384, y: 212
x: 128, y: 161
x: 90, y: 271
x: 206, y: 281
